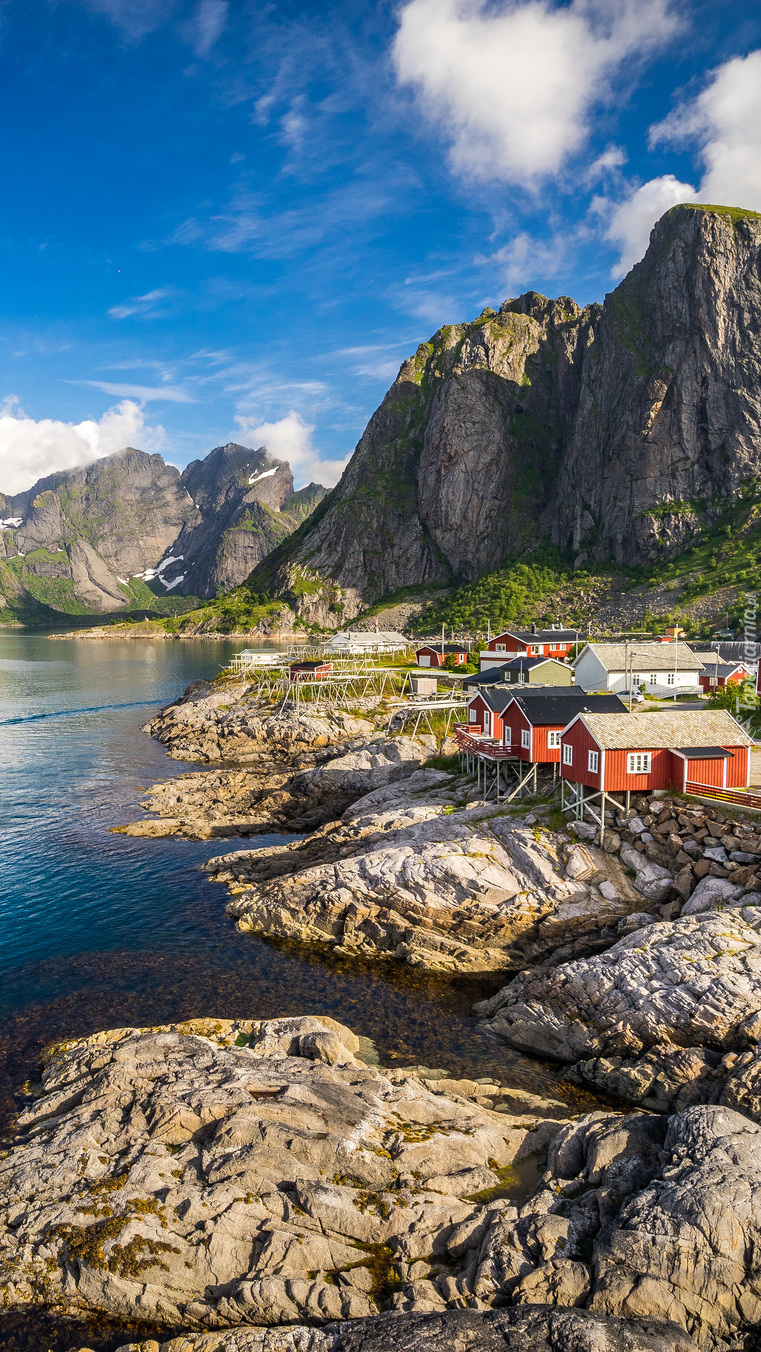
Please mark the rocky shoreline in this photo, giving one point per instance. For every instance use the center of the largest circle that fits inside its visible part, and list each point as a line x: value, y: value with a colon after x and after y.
x: 267, y: 1186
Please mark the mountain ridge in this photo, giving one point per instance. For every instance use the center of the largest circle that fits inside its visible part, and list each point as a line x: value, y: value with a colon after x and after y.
x: 620, y: 433
x: 129, y: 529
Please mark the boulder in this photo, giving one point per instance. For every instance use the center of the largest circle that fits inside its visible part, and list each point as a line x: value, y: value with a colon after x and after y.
x: 691, y: 983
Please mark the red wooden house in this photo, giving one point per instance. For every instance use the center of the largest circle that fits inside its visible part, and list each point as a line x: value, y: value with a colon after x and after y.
x: 534, y: 642
x: 485, y: 712
x: 310, y: 671
x: 435, y: 655
x: 532, y: 723
x: 717, y: 674
x: 614, y: 753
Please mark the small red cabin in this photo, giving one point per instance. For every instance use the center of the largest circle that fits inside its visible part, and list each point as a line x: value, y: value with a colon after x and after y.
x: 646, y: 751
x: 534, y: 643
x: 431, y: 655
x: 310, y: 671
x: 718, y: 674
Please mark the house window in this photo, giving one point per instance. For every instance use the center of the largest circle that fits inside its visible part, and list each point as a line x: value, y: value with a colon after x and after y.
x: 472, y: 716
x: 507, y: 736
x: 638, y: 763
x: 567, y: 754
x: 553, y: 740
x: 536, y: 649
x: 525, y: 738
x: 653, y: 679
x: 670, y: 678
x: 500, y: 648
x: 636, y: 680
x: 593, y: 761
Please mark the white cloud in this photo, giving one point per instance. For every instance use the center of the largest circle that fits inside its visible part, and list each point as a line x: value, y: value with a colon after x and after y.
x: 31, y: 449
x: 632, y: 220
x: 145, y: 393
x: 144, y: 306
x: 513, y: 89
x: 724, y: 122
x: 291, y: 439
x: 207, y: 24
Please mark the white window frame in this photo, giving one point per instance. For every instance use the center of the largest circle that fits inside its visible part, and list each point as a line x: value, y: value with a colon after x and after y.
x: 553, y: 739
x: 472, y: 715
x: 536, y: 649
x: 639, y: 763
x: 593, y: 762
x: 526, y: 739
x: 567, y: 753
x: 636, y: 680
x: 500, y: 648
x: 653, y: 679
x: 670, y: 678
x: 487, y: 723
x: 507, y: 735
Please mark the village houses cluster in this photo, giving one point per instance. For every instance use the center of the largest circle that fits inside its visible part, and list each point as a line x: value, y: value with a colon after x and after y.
x: 534, y: 706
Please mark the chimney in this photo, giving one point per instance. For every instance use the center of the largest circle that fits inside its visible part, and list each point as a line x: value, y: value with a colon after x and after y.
x: 533, y: 628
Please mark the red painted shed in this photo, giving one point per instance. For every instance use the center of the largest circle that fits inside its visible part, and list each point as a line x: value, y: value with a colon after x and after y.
x: 641, y: 752
x: 430, y: 654
x: 718, y: 674
x: 310, y: 671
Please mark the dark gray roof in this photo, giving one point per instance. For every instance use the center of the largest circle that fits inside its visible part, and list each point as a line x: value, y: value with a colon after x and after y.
x: 560, y: 708
x: 526, y: 663
x: 487, y: 677
x: 704, y: 752
x: 722, y: 668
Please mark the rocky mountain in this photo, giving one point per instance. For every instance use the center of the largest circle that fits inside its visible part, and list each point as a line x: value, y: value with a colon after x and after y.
x: 129, y: 528
x: 618, y: 432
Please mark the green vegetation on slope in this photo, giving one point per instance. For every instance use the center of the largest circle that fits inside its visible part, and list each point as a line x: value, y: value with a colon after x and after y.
x: 541, y: 589
x: 239, y: 609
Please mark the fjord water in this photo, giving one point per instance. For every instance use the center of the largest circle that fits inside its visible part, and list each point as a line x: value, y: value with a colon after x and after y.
x: 100, y: 930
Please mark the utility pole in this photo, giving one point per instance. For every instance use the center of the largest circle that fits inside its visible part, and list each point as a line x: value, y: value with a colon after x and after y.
x: 442, y: 645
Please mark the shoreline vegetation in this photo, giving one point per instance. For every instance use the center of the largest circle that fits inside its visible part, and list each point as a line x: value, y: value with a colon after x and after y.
x: 221, y: 1179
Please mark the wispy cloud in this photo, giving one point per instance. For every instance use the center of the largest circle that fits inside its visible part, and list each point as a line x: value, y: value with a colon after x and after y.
x: 206, y: 26
x: 135, y: 18
x: 145, y: 307
x: 170, y: 394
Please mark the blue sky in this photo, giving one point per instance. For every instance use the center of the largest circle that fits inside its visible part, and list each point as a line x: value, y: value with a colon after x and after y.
x: 224, y: 219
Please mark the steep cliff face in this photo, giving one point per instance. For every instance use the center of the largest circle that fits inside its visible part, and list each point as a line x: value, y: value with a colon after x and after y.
x: 96, y: 538
x: 617, y: 432
x: 247, y: 506
x: 455, y: 466
x: 669, y: 419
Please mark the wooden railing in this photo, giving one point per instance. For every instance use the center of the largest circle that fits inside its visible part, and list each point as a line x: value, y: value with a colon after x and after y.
x: 478, y: 745
x: 735, y: 796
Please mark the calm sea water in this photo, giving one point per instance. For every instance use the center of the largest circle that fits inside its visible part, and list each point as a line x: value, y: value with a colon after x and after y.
x: 100, y: 930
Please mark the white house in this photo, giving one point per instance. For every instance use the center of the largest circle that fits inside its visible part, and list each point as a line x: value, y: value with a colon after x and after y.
x: 358, y: 642
x: 663, y: 668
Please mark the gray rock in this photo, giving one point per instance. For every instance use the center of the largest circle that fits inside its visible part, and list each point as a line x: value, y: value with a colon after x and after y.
x: 653, y: 881
x: 692, y: 982
x: 516, y: 1330
x: 711, y: 894
x: 174, y: 1176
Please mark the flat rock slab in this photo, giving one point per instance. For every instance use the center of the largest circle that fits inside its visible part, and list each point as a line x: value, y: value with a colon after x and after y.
x: 174, y: 1177
x: 652, y: 1017
x: 439, y: 886
x: 535, y: 1330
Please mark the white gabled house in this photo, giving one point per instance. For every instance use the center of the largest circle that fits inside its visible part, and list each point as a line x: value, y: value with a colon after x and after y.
x: 663, y: 668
